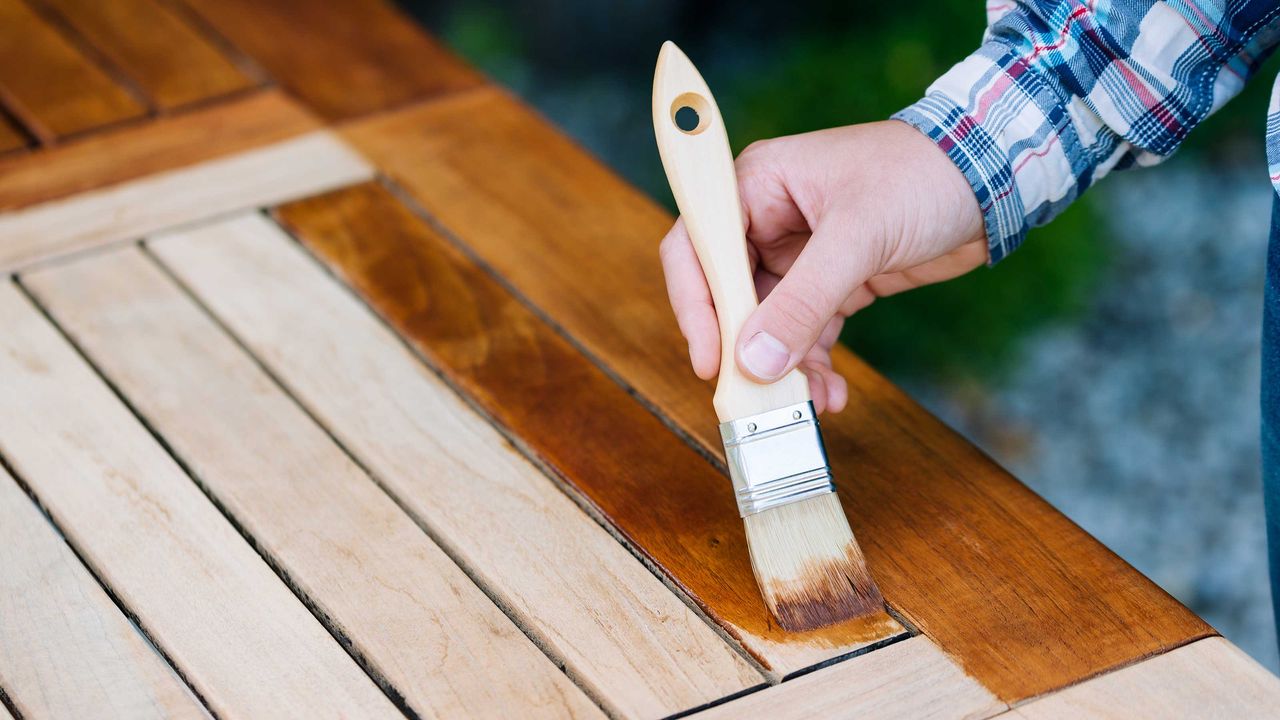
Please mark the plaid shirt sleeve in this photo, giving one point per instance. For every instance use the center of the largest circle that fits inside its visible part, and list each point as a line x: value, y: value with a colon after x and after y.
x: 1062, y: 92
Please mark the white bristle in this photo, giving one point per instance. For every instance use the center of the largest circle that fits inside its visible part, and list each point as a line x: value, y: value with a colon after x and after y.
x: 809, y: 568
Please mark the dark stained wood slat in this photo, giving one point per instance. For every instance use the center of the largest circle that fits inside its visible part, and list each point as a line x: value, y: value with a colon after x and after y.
x: 666, y: 499
x: 167, y: 58
x: 53, y: 88
x: 11, y: 138
x: 135, y: 151
x: 1023, y: 598
x: 344, y: 58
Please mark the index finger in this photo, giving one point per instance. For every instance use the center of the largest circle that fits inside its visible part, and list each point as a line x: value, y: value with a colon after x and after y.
x: 691, y: 300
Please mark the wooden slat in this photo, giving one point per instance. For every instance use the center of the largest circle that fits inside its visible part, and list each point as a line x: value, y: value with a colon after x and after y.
x: 309, y: 164
x: 53, y: 88
x: 1023, y: 598
x: 11, y: 138
x: 169, y: 60
x: 909, y: 679
x: 234, y: 630
x: 619, y: 632
x: 537, y: 385
x: 111, y: 157
x: 1210, y: 679
x: 68, y: 651
x: 344, y: 58
x: 419, y: 622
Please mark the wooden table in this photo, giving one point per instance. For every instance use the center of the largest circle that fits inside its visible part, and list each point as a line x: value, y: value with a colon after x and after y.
x: 310, y: 407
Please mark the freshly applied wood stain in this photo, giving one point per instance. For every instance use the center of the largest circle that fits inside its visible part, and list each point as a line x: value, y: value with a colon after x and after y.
x: 115, y: 156
x: 1021, y: 596
x: 343, y: 58
x: 69, y: 93
x: 656, y: 491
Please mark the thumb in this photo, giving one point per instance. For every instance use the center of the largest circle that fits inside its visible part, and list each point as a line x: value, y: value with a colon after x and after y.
x: 778, y: 335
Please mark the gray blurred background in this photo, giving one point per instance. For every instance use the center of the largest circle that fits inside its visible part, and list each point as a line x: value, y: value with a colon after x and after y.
x: 1111, y: 363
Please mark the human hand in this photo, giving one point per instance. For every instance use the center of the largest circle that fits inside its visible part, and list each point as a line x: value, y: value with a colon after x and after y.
x: 834, y: 219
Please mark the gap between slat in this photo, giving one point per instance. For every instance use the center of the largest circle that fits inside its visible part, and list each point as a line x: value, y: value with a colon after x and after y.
x: 26, y: 488
x: 426, y: 529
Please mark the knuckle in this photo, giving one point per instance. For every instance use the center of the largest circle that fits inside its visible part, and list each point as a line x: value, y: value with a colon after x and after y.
x: 754, y: 153
x: 800, y: 310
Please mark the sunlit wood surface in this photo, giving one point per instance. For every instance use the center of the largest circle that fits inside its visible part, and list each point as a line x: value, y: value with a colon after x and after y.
x: 336, y: 382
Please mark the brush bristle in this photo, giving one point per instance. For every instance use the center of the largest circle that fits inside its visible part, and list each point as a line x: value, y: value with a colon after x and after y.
x: 809, y: 568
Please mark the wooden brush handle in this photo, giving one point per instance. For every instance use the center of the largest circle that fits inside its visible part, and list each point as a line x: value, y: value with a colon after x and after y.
x: 699, y: 167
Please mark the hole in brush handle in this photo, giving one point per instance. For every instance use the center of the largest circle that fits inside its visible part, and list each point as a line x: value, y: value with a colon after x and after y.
x: 690, y: 113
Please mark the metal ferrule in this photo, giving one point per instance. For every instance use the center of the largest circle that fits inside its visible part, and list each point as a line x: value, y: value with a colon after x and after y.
x: 776, y: 458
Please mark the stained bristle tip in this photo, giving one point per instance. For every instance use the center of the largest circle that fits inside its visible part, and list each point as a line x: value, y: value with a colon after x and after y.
x: 808, y: 565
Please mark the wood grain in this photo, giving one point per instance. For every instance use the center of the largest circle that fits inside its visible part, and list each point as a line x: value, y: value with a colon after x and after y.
x: 418, y: 621
x: 305, y: 165
x: 68, y: 651
x: 1210, y: 679
x: 241, y: 638
x: 168, y: 59
x: 909, y: 679
x: 344, y: 58
x: 136, y: 151
x: 622, y: 635
x: 68, y: 94
x: 1024, y: 599
x: 631, y: 468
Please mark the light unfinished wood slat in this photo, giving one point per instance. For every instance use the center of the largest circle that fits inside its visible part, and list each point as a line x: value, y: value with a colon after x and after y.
x: 170, y: 61
x: 302, y: 166
x: 909, y: 679
x: 65, y: 649
x: 239, y: 636
x: 49, y: 84
x: 1209, y: 679
x: 617, y: 629
x: 406, y: 608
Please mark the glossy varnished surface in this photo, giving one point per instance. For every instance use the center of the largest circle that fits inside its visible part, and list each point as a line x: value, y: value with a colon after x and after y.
x: 671, y: 504
x: 344, y: 58
x: 170, y: 62
x: 69, y: 93
x: 1025, y: 599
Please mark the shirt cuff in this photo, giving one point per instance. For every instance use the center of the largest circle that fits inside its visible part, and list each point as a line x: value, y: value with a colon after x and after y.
x: 1007, y: 128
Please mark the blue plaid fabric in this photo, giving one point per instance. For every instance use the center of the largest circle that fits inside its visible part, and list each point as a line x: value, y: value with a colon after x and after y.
x: 1061, y: 93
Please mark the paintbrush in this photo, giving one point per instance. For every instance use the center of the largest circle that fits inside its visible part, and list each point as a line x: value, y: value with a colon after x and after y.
x: 810, y: 570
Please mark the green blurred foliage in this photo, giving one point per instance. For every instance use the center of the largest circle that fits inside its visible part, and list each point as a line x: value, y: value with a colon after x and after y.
x: 783, y: 69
